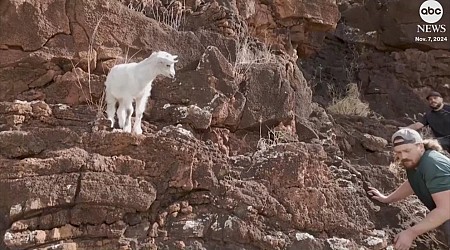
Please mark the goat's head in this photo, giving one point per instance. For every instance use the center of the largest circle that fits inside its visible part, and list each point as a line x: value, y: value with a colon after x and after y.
x: 166, y: 63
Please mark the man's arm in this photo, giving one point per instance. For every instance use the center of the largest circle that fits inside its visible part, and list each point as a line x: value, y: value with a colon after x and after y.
x: 416, y: 126
x: 400, y: 193
x: 437, y: 216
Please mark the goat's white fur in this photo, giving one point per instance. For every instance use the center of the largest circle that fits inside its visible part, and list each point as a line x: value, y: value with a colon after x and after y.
x: 133, y: 81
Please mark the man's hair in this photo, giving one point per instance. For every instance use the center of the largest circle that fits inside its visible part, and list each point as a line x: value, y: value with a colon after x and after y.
x: 434, y: 93
x: 428, y: 144
x: 432, y: 144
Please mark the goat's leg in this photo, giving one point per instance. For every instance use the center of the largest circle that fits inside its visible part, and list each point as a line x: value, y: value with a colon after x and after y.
x: 110, y: 107
x: 141, y: 103
x: 127, y: 112
x: 121, y: 113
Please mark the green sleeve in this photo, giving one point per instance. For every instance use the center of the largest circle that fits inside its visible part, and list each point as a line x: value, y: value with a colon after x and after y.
x: 437, y: 176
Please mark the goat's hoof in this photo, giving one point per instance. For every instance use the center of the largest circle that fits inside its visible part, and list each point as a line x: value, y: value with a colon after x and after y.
x: 138, y: 131
x: 127, y: 130
x: 111, y: 122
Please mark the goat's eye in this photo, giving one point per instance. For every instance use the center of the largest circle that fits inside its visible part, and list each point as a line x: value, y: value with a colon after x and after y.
x: 168, y: 66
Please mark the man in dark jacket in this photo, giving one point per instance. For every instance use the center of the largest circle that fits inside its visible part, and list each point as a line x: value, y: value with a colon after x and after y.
x: 428, y: 173
x: 438, y: 118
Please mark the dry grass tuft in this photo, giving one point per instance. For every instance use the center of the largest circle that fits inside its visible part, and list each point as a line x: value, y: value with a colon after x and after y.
x: 350, y: 104
x: 250, y: 52
x: 99, y: 105
x: 172, y: 15
x: 275, y: 137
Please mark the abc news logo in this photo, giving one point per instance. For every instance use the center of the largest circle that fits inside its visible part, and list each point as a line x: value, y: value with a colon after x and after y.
x: 431, y: 12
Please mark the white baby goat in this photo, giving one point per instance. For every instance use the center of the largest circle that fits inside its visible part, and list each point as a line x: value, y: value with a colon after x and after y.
x: 133, y: 81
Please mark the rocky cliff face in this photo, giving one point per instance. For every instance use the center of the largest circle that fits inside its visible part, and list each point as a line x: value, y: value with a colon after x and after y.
x: 235, y: 153
x: 395, y: 72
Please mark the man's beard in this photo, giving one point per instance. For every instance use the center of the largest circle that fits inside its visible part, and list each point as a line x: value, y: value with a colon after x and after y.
x: 410, y: 164
x: 435, y: 106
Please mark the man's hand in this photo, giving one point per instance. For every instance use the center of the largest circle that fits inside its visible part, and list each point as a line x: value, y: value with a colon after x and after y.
x: 375, y: 194
x: 404, y: 239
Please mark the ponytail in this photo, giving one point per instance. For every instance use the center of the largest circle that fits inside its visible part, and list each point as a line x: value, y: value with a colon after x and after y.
x: 432, y: 144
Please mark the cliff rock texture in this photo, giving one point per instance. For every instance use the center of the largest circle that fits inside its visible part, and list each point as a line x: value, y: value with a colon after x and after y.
x: 239, y: 151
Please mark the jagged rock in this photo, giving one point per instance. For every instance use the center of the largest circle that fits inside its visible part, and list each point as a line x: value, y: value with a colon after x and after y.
x: 305, y: 241
x: 305, y: 131
x: 42, y: 23
x: 286, y: 91
x: 374, y: 143
x: 206, y: 96
x: 377, y: 240
x: 341, y: 244
x: 389, y: 24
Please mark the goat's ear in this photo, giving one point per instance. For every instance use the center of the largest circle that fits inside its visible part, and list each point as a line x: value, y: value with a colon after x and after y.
x: 175, y: 58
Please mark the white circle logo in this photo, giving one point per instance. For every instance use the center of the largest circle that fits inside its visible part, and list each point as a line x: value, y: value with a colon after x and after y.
x: 431, y: 11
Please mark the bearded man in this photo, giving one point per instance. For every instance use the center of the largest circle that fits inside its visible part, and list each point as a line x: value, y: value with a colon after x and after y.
x: 428, y: 173
x: 438, y: 118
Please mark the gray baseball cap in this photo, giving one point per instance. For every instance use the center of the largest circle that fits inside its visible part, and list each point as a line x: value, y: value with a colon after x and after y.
x: 407, y: 135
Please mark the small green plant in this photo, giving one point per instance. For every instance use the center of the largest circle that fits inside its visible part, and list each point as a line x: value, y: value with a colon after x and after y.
x: 350, y: 104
